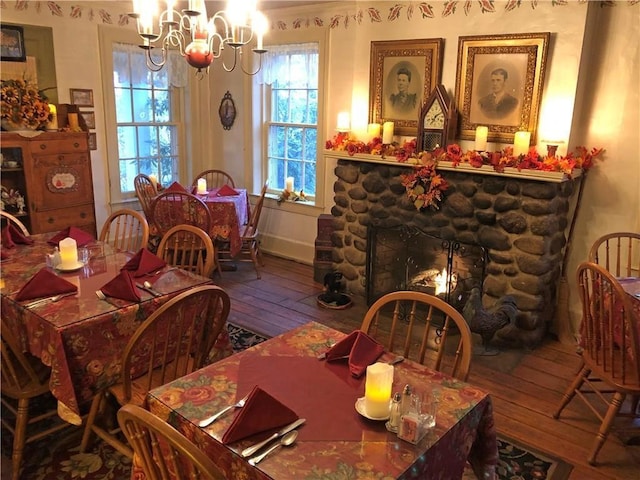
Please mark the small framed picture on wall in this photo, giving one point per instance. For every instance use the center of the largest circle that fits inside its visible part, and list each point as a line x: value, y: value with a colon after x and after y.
x: 89, y: 119
x: 93, y: 142
x: 81, y: 97
x: 12, y: 44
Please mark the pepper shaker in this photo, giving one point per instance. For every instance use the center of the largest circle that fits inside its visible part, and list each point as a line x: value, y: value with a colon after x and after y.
x: 406, y: 400
x: 394, y: 417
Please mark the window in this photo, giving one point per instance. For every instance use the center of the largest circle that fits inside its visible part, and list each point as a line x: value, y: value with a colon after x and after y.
x: 292, y: 116
x: 147, y: 132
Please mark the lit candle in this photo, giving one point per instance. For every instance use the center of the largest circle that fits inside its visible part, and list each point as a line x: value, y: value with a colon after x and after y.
x: 154, y: 181
x: 387, y: 133
x: 377, y: 389
x: 344, y: 123
x: 53, y: 124
x: 373, y: 130
x: 73, y: 121
x: 202, y: 186
x: 481, y: 138
x: 521, y: 143
x: 288, y: 184
x: 68, y: 253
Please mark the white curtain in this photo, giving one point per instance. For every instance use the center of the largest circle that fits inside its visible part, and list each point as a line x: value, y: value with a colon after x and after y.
x: 175, y: 67
x: 286, y: 61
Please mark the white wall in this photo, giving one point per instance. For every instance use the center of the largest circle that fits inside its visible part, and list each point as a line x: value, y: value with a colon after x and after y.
x: 591, y: 93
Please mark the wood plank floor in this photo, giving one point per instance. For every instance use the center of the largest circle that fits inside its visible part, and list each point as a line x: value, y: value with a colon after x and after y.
x: 525, y: 386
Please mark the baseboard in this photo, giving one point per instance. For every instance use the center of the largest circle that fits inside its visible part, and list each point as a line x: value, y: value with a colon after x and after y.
x: 287, y: 248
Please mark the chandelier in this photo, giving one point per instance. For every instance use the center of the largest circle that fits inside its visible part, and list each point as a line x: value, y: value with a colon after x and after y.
x: 198, y: 38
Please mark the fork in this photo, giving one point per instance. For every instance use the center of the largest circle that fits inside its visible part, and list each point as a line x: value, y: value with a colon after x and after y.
x: 208, y: 421
x: 55, y: 298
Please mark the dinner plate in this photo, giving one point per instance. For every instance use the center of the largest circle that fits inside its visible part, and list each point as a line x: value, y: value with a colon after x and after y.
x: 71, y: 268
x: 360, y: 409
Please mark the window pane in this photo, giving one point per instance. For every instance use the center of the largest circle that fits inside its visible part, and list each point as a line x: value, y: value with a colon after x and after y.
x: 142, y: 106
x: 127, y: 142
x: 276, y: 174
x: 298, y: 106
x: 310, y: 145
x: 294, y: 143
x: 281, y: 106
x: 313, y: 107
x: 162, y: 106
x: 147, y: 141
x: 123, y: 105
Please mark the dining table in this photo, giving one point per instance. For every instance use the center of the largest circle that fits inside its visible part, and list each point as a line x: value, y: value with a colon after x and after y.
x: 336, y: 439
x: 81, y: 337
x: 229, y: 214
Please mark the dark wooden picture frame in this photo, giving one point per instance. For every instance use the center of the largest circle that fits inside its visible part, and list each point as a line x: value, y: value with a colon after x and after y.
x: 509, y: 67
x: 81, y: 97
x: 93, y: 141
x: 416, y: 62
x: 89, y: 119
x: 227, y: 111
x: 12, y: 44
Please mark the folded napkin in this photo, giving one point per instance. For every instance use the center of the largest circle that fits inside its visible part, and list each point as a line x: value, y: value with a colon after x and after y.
x: 359, y: 348
x: 261, y: 413
x: 175, y: 187
x: 12, y: 235
x: 225, y: 191
x: 144, y: 262
x: 45, y: 283
x: 122, y: 286
x: 80, y: 236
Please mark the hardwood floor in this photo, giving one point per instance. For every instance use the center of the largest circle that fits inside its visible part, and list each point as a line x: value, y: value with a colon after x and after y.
x: 525, y: 386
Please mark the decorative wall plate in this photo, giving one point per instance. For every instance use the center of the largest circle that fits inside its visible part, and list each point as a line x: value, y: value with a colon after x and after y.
x: 227, y: 111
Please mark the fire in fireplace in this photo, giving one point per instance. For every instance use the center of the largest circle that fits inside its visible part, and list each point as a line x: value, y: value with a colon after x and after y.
x: 406, y: 258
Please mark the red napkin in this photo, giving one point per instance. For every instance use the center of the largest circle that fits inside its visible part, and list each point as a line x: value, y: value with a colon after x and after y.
x: 226, y: 190
x: 123, y: 287
x: 361, y: 350
x: 80, y: 236
x: 175, y: 187
x: 261, y: 413
x: 12, y: 235
x: 144, y: 262
x: 45, y: 283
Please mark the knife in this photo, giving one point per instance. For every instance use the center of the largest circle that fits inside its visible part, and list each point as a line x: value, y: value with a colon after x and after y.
x: 247, y: 452
x: 150, y: 290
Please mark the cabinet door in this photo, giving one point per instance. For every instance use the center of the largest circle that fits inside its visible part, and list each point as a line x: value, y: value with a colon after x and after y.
x: 60, y: 181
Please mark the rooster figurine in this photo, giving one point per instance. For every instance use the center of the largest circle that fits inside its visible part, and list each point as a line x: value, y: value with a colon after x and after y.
x: 486, y: 322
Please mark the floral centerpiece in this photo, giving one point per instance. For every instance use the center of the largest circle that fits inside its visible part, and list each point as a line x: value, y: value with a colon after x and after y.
x: 22, y: 106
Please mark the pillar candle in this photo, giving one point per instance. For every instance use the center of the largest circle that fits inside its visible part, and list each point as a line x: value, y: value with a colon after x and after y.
x: 481, y: 138
x: 154, y: 181
x: 373, y: 130
x: 52, y: 125
x: 387, y: 133
x: 73, y: 121
x: 288, y: 184
x: 521, y: 143
x: 68, y: 253
x: 202, y: 186
x: 344, y: 123
x: 377, y: 389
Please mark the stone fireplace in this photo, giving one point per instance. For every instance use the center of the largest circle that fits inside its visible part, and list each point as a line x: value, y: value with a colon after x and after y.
x: 519, y: 220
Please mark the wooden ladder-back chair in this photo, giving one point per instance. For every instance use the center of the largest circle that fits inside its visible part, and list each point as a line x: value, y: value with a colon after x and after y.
x: 406, y: 319
x: 609, y: 350
x: 24, y: 378
x: 146, y: 191
x: 179, y: 208
x: 163, y: 452
x: 618, y: 252
x: 189, y: 248
x: 214, y: 178
x: 174, y: 341
x: 11, y: 219
x: 250, y: 251
x: 125, y: 230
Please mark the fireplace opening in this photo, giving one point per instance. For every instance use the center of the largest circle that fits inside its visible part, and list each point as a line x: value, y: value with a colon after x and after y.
x: 406, y: 258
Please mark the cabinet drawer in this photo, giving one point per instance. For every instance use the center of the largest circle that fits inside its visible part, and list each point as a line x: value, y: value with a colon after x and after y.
x: 78, y: 143
x: 81, y: 216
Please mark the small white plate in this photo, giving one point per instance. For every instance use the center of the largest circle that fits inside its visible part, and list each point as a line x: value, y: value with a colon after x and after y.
x: 71, y: 268
x: 360, y: 409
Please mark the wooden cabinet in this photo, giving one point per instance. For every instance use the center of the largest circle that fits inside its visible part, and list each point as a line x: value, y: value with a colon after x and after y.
x: 53, y: 173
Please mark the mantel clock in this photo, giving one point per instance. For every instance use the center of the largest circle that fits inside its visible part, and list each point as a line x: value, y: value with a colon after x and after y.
x: 438, y: 121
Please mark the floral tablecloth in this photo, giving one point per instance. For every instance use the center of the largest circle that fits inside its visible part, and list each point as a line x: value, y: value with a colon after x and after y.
x: 80, y: 337
x: 228, y: 216
x: 335, y: 442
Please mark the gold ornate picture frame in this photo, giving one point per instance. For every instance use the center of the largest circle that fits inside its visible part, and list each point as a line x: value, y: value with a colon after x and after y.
x: 499, y: 82
x: 403, y: 74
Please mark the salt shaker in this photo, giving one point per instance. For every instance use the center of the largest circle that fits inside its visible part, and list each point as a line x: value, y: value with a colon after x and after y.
x: 56, y: 257
x: 394, y: 417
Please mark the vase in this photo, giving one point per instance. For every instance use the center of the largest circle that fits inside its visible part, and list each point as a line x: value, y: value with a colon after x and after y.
x: 17, y: 127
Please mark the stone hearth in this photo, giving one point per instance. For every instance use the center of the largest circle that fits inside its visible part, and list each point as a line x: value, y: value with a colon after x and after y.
x: 520, y: 222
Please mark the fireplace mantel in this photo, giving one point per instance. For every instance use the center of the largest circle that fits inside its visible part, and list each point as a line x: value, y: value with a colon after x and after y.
x: 539, y: 175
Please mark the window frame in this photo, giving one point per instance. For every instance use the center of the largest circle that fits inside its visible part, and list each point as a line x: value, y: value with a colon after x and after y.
x: 107, y: 37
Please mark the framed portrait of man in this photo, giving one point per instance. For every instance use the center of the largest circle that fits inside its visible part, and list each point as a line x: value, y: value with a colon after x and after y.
x: 403, y: 74
x: 499, y: 83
